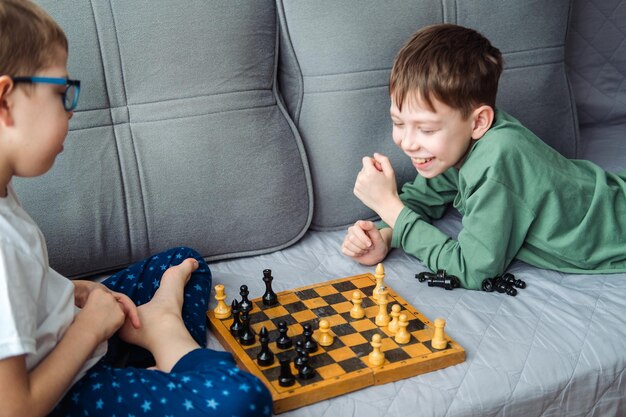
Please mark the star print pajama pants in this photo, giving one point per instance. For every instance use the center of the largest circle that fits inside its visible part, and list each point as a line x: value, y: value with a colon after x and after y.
x: 202, y: 383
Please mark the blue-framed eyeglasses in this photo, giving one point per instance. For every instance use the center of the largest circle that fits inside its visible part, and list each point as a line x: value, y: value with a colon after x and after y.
x: 72, y: 88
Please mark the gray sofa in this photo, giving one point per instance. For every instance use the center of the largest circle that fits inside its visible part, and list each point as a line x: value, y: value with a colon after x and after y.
x: 237, y: 127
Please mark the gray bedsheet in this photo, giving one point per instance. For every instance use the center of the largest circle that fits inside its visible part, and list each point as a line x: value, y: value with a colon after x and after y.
x: 557, y: 349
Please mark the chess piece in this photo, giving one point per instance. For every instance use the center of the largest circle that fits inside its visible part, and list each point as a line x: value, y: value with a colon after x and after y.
x: 283, y: 341
x: 402, y: 335
x: 286, y: 377
x: 269, y: 298
x: 265, y: 357
x: 510, y: 278
x: 357, y: 311
x: 325, y: 338
x: 246, y: 336
x: 306, y: 371
x: 301, y: 352
x: 309, y: 344
x: 379, y: 275
x: 376, y: 357
x: 395, y: 314
x: 234, y: 328
x: 439, y: 338
x: 222, y: 311
x: 382, y: 318
x: 440, y: 279
x: 244, y: 304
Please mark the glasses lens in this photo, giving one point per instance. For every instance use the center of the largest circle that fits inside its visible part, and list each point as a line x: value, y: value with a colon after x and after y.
x: 70, y: 100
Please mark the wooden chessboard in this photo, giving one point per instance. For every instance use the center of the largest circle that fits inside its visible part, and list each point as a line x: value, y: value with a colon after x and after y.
x: 342, y: 367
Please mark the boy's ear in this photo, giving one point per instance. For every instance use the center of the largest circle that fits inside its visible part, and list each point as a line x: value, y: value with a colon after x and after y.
x: 482, y: 118
x: 6, y: 86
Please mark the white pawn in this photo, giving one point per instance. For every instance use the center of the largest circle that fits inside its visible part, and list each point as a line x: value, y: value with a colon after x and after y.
x: 379, y: 274
x: 439, y: 339
x: 402, y: 335
x: 376, y: 357
x: 325, y: 338
x: 222, y: 311
x: 382, y: 318
x: 393, y: 324
x: 357, y: 311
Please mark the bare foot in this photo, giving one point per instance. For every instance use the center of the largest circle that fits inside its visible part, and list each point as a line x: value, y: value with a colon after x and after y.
x: 162, y: 330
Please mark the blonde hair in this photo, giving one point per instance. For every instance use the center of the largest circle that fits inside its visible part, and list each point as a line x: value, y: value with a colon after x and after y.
x: 453, y: 64
x: 29, y: 38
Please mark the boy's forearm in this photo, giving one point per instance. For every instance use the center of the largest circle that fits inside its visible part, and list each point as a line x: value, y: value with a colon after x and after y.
x: 47, y: 382
x: 390, y: 211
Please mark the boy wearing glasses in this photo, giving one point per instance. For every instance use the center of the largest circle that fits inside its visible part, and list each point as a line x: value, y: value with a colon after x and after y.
x: 53, y: 331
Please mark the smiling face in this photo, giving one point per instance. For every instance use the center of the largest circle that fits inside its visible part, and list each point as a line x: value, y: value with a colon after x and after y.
x: 435, y: 139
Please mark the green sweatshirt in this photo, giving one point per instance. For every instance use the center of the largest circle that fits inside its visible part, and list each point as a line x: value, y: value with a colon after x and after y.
x: 519, y: 199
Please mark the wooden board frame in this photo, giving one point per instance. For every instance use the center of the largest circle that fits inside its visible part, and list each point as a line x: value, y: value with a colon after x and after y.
x: 423, y: 358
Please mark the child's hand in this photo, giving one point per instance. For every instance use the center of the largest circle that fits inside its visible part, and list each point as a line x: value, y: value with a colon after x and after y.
x: 365, y: 243
x: 83, y: 288
x: 376, y: 184
x: 102, y: 314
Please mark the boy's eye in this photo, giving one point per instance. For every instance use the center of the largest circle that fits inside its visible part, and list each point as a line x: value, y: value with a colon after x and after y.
x: 427, y: 131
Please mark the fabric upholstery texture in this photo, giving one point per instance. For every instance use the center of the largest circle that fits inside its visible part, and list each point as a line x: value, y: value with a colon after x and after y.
x: 179, y: 138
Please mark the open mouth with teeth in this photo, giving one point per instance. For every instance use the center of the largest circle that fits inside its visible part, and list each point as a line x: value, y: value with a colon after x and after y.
x: 420, y: 161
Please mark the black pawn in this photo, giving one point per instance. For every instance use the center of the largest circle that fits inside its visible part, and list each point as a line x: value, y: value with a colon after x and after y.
x: 283, y: 341
x: 309, y: 344
x: 244, y: 304
x: 301, y: 352
x: 234, y: 328
x: 265, y: 356
x: 306, y: 371
x: 246, y: 336
x: 269, y: 298
x: 286, y: 377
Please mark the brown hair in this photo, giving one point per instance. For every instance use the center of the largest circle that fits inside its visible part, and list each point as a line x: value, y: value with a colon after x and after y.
x: 28, y: 38
x: 453, y: 64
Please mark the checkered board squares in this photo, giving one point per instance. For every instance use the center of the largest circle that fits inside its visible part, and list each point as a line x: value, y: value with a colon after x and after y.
x: 343, y: 366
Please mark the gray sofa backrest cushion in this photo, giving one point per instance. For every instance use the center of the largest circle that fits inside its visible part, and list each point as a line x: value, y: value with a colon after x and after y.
x: 335, y: 62
x: 179, y: 138
x: 596, y: 60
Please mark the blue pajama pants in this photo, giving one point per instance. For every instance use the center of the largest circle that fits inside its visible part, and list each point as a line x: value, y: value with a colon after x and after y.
x: 202, y: 383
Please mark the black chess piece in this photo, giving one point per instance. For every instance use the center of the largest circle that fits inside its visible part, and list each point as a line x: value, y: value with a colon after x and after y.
x: 286, y: 377
x: 269, y: 298
x: 246, y: 335
x: 510, y: 278
x: 265, y: 357
x: 283, y: 341
x: 306, y: 371
x: 301, y: 352
x: 309, y: 344
x: 503, y: 284
x: 234, y: 328
x: 440, y: 279
x: 244, y: 304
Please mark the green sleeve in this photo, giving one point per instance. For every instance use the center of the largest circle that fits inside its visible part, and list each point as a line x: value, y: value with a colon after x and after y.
x: 495, y: 222
x: 429, y: 197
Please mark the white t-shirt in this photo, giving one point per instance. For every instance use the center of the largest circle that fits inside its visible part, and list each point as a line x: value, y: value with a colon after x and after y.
x: 36, y: 302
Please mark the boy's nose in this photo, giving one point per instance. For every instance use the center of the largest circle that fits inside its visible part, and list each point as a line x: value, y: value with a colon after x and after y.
x: 409, y: 142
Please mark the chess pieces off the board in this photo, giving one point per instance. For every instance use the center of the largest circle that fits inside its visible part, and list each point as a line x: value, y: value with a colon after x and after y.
x: 396, y: 322
x: 506, y: 283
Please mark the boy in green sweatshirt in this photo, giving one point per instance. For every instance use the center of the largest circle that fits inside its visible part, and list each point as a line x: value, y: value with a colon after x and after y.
x: 519, y: 198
